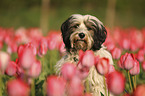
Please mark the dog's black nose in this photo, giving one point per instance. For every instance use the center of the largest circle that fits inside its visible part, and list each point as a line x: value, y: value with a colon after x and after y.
x: 81, y: 35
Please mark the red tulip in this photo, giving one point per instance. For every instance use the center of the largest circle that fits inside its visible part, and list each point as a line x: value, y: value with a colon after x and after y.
x: 136, y: 69
x: 62, y: 49
x: 143, y: 65
x: 35, y: 69
x: 115, y: 82
x: 102, y: 66
x: 4, y: 60
x: 68, y: 71
x: 127, y: 61
x: 140, y: 90
x: 55, y: 86
x: 17, y: 88
x: 116, y: 53
x: 26, y: 58
x: 11, y: 68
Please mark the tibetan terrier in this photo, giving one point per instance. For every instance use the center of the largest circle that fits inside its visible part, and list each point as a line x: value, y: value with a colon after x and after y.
x: 85, y: 32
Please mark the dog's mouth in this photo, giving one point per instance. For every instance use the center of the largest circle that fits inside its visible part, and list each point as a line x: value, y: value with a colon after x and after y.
x: 80, y: 40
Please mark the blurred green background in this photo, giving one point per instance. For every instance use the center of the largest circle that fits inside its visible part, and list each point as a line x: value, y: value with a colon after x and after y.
x: 27, y: 13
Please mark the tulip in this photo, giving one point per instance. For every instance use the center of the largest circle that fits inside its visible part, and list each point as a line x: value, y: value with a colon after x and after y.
x: 43, y: 47
x: 143, y: 65
x: 126, y: 44
x: 136, y: 69
x: 11, y: 68
x: 102, y: 66
x: 127, y: 61
x: 68, y: 71
x: 87, y: 58
x: 17, y: 88
x: 62, y: 49
x: 75, y: 87
x: 116, y: 53
x: 55, y: 86
x: 140, y: 90
x: 140, y: 55
x: 26, y: 58
x: 4, y: 60
x: 115, y: 82
x: 35, y: 69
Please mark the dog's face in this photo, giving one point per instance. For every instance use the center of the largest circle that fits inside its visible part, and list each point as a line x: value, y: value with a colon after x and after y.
x: 83, y: 32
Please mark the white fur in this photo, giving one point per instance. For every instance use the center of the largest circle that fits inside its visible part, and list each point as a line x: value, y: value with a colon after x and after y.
x: 95, y: 80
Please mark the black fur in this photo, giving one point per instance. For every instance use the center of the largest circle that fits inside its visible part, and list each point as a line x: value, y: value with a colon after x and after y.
x: 99, y: 37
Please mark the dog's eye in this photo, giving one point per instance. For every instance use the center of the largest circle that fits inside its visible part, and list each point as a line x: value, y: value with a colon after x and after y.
x: 89, y: 28
x: 76, y: 26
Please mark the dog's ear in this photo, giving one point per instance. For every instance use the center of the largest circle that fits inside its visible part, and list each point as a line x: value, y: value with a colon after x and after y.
x: 99, y: 37
x: 65, y: 32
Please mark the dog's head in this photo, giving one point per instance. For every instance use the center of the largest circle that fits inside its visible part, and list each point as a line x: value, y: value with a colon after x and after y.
x: 83, y: 32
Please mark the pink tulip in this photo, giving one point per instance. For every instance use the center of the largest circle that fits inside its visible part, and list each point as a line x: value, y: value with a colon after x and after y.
x: 136, y: 69
x: 88, y: 94
x: 87, y: 58
x: 116, y: 53
x: 17, y: 88
x: 127, y: 61
x: 11, y: 68
x: 110, y: 46
x: 143, y: 65
x: 102, y: 66
x: 140, y: 90
x: 26, y: 58
x: 43, y: 47
x: 140, y: 55
x: 62, y: 49
x: 4, y: 60
x: 32, y: 47
x: 125, y: 44
x: 55, y: 86
x: 75, y: 87
x: 68, y: 71
x: 116, y: 82
x: 35, y: 69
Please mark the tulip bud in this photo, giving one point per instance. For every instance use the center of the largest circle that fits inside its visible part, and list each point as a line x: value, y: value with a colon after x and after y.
x: 116, y: 53
x: 140, y: 55
x: 4, y: 60
x: 17, y: 88
x: 68, y: 71
x: 11, y: 68
x: 143, y: 66
x: 102, y: 66
x: 55, y: 86
x: 43, y: 47
x: 75, y: 87
x: 88, y: 59
x: 127, y: 61
x: 140, y: 90
x: 35, y: 69
x: 115, y: 82
x: 136, y: 69
x: 26, y: 58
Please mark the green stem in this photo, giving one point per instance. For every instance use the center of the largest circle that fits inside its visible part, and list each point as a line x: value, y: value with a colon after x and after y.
x: 134, y: 81
x: 105, y: 86
x: 44, y: 88
x: 87, y: 86
x: 1, y: 83
x: 130, y: 82
x: 33, y: 87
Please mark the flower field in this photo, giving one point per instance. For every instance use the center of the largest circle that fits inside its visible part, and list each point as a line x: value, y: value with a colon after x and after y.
x: 27, y: 64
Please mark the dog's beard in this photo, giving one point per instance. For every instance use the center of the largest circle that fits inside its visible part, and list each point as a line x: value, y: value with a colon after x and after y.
x: 81, y: 44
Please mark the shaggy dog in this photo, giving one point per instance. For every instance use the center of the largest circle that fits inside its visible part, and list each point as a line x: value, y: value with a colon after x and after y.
x: 85, y: 32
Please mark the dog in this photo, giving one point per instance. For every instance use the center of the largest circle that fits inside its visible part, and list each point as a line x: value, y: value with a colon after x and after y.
x: 85, y: 32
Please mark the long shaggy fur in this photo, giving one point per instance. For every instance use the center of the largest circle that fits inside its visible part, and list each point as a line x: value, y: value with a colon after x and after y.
x: 94, y: 34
